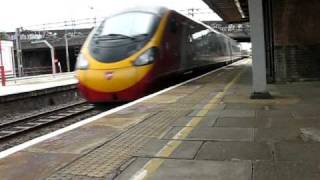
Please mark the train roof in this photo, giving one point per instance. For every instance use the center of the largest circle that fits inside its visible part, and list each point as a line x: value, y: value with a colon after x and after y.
x: 159, y: 10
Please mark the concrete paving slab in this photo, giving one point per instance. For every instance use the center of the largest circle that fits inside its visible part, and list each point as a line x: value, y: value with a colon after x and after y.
x: 216, y: 110
x: 194, y: 100
x: 32, y: 166
x: 310, y: 112
x: 132, y: 168
x: 185, y: 89
x: 241, y: 122
x: 220, y: 111
x: 203, y: 105
x: 236, y: 113
x: 310, y: 134
x: 139, y: 108
x: 186, y: 150
x: 121, y: 121
x: 286, y: 107
x: 215, y: 134
x: 178, y: 106
x: 172, y: 132
x: 194, y: 170
x: 87, y: 139
x: 276, y: 134
x: 284, y: 100
x: 273, y: 114
x: 206, y: 122
x: 298, y: 151
x: 264, y: 170
x: 300, y: 107
x: 72, y: 177
x: 268, y: 170
x: 245, y: 106
x: 165, y: 98
x: 293, y: 123
x: 222, y: 151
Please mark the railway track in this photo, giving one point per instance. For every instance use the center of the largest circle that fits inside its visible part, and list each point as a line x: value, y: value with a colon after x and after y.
x: 32, y: 122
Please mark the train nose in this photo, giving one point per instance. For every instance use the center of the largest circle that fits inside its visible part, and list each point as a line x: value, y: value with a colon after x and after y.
x: 113, y: 80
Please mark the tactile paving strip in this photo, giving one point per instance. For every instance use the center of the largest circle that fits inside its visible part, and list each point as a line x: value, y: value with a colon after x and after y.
x: 74, y: 177
x: 109, y: 157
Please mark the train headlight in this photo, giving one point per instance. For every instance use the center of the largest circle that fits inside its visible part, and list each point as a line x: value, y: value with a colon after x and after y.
x: 147, y: 57
x: 82, y: 62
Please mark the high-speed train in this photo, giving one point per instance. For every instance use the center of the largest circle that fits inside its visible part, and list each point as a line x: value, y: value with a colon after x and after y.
x: 128, y: 53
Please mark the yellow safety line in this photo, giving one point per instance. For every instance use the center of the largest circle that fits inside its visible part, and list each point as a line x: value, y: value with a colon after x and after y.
x: 152, y: 165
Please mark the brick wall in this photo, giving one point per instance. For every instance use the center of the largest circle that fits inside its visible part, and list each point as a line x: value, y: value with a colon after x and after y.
x: 297, y: 63
x: 296, y: 26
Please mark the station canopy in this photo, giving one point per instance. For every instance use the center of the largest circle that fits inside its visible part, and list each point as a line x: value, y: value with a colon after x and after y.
x: 230, y: 11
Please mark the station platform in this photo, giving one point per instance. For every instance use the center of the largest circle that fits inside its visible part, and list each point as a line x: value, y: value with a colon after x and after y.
x: 34, y: 83
x: 207, y: 128
x: 24, y: 87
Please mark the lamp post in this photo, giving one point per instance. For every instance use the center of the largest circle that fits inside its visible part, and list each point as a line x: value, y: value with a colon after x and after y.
x: 67, y: 52
x: 19, y: 52
x: 51, y: 51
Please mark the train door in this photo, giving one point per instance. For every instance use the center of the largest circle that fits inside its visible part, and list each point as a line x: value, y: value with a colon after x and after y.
x: 184, y: 47
x: 176, y: 30
x: 171, y: 45
x: 230, y: 52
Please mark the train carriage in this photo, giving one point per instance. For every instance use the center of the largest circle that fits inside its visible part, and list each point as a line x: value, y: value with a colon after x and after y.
x: 128, y: 53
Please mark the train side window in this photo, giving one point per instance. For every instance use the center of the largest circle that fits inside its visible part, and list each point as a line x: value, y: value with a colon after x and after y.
x: 173, y: 26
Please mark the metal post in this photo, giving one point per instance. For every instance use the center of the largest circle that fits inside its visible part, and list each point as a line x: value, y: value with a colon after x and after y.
x: 3, y: 75
x: 259, y: 75
x: 67, y: 52
x: 14, y: 63
x: 51, y: 51
x: 19, y: 53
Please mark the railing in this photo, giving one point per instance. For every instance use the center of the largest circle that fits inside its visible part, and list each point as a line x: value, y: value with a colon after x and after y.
x: 3, y: 76
x: 37, y: 70
x: 25, y: 79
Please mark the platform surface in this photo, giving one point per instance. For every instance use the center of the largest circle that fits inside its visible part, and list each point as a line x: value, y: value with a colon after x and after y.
x: 206, y: 129
x: 34, y: 83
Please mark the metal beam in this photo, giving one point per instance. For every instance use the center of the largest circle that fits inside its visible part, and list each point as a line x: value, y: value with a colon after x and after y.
x: 230, y: 10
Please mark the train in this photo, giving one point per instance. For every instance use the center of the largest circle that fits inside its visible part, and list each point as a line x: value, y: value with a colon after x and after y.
x: 130, y: 52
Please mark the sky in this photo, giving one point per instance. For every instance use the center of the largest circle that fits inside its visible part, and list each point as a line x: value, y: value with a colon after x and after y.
x: 24, y: 13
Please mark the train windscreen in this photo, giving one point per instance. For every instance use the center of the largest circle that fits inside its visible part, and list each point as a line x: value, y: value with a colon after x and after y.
x: 128, y: 24
x: 121, y: 35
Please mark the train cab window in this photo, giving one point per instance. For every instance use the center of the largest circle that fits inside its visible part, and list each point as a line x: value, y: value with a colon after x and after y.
x: 121, y: 35
x: 128, y: 24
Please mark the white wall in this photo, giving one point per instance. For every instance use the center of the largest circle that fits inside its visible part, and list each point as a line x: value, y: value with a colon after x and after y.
x: 7, y: 57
